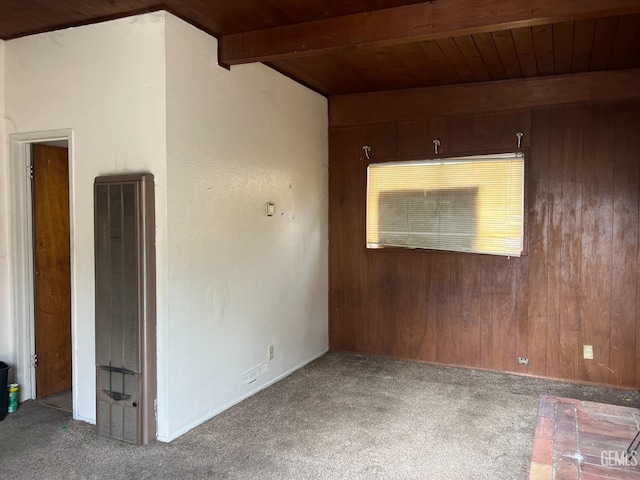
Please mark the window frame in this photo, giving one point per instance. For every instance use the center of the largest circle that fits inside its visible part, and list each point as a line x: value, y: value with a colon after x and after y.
x: 441, y: 156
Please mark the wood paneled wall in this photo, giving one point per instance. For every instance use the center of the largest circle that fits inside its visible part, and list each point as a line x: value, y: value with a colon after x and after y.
x: 577, y: 285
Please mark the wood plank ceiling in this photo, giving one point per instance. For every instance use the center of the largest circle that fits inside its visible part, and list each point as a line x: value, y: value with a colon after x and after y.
x: 354, y: 46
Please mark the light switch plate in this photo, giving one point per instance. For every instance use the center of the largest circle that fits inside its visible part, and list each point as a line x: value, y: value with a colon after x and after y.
x: 587, y: 352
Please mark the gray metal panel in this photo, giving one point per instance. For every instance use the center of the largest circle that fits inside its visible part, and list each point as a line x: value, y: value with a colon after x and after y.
x: 130, y: 265
x: 103, y: 424
x: 148, y: 380
x: 125, y: 307
x: 116, y: 267
x: 130, y: 424
x: 117, y: 421
x: 118, y: 400
x: 103, y: 276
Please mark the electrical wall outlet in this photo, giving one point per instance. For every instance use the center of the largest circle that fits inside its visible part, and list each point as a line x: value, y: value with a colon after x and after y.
x: 523, y: 361
x: 271, y: 352
x: 587, y: 352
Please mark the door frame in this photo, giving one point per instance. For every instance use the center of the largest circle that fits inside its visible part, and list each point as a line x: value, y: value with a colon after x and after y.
x: 21, y: 256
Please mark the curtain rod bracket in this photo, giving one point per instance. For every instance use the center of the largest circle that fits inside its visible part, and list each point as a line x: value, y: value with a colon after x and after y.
x: 436, y: 146
x: 519, y: 135
x: 367, y: 151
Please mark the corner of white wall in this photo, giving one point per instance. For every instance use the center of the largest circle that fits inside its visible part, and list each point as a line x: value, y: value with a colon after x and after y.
x: 106, y: 83
x: 258, y: 135
x: 237, y: 280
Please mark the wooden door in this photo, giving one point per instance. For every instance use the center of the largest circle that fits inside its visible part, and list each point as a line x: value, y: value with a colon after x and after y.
x: 52, y: 269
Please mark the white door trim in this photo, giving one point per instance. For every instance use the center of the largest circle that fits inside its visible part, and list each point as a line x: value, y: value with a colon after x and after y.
x: 21, y: 256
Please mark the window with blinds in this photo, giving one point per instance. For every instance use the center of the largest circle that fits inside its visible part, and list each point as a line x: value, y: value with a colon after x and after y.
x: 462, y: 204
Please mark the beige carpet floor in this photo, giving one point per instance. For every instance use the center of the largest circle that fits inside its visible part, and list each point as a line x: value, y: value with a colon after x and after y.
x: 341, y: 417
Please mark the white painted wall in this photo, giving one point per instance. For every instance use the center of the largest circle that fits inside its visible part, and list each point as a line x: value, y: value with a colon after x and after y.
x: 230, y: 281
x: 106, y: 83
x: 239, y: 281
x: 6, y: 331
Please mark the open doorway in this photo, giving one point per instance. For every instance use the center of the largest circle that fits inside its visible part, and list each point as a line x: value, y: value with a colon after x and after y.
x: 42, y: 257
x: 52, y: 273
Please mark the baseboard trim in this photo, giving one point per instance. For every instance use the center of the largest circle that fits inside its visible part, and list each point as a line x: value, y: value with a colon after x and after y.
x: 209, y: 416
x: 484, y: 369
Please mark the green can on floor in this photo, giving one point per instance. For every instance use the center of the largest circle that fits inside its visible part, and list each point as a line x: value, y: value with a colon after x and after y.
x: 14, y: 389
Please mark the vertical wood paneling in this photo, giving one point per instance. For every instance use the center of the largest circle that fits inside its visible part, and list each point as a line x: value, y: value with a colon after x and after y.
x: 416, y: 137
x: 355, y: 325
x: 470, y: 314
x: 404, y: 309
x: 521, y: 318
x: 571, y: 229
x: 624, y: 273
x: 510, y: 327
x: 457, y: 133
x: 597, y: 221
x: 637, y: 342
x: 578, y: 283
x: 538, y: 196
x: 554, y: 239
x: 373, y: 334
x: 478, y: 132
x: 428, y: 342
x: 342, y: 146
x: 485, y: 307
x: 503, y: 327
x: 414, y: 287
x: 383, y: 140
x: 448, y: 309
x: 507, y: 124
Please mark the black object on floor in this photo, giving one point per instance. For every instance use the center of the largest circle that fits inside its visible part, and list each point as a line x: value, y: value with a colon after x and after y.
x: 4, y: 390
x: 632, y: 449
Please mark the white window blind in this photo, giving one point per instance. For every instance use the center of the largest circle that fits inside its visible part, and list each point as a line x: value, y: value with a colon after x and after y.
x: 462, y: 204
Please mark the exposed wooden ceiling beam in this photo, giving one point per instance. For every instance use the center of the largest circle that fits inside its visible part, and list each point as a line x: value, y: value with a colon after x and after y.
x: 419, y: 22
x: 476, y: 98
